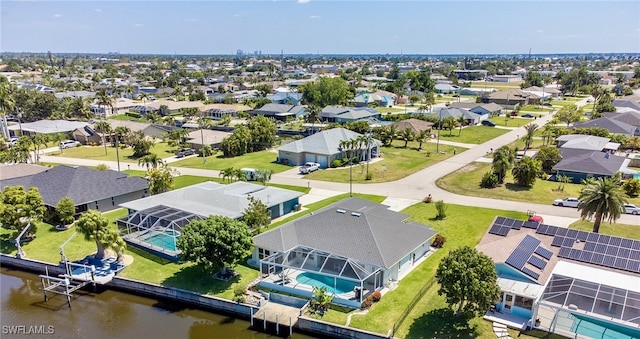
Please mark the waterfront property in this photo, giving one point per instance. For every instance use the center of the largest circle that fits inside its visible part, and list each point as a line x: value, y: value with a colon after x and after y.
x: 154, y: 223
x: 564, y: 281
x: 353, y: 248
x: 87, y: 187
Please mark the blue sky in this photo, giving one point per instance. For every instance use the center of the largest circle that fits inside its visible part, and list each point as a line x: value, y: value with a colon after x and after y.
x: 320, y: 26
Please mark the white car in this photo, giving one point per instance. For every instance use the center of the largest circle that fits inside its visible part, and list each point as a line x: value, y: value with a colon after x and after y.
x: 309, y: 167
x: 567, y: 202
x: 631, y: 209
x: 69, y: 144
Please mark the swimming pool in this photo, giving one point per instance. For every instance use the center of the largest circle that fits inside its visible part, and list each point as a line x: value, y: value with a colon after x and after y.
x: 598, y: 329
x: 317, y: 280
x: 163, y: 240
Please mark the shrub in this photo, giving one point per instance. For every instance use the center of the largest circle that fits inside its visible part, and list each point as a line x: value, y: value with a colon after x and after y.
x: 238, y: 293
x: 441, y: 209
x: 336, y: 163
x: 438, y: 241
x: 632, y: 187
x: 367, y: 302
x: 345, y: 160
x: 102, y: 167
x: 369, y: 176
x: 489, y: 180
x: 375, y: 296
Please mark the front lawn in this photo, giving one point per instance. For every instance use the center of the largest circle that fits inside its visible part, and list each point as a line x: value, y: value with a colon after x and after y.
x: 534, y: 108
x: 472, y: 135
x: 510, y: 121
x: 466, y: 181
x: 162, y: 149
x: 397, y: 162
x: 259, y: 160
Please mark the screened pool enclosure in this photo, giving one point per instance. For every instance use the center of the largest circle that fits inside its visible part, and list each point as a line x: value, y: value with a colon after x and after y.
x: 301, y: 268
x: 156, y: 229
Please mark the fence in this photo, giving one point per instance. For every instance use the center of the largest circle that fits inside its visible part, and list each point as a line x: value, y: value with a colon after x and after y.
x: 411, y: 305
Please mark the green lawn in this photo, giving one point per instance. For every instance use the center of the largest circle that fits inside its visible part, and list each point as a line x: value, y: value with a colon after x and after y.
x: 124, y: 117
x: 260, y: 160
x: 466, y: 181
x: 497, y: 85
x: 398, y: 162
x: 510, y: 121
x: 534, y: 108
x: 472, y: 134
x: 162, y: 149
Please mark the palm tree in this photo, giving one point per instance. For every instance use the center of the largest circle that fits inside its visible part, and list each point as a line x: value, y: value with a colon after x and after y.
x: 103, y: 128
x: 122, y: 133
x: 421, y: 138
x: 7, y: 100
x: 104, y: 99
x: 461, y: 121
x: 528, y: 137
x: 406, y: 135
x: 38, y: 140
x: 239, y: 175
x: 264, y: 175
x: 150, y: 161
x: 503, y: 159
x: 227, y: 174
x: 343, y: 145
x: 602, y: 198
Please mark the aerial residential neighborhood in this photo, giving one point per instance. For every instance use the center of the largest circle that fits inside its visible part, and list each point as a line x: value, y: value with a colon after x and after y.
x: 320, y: 195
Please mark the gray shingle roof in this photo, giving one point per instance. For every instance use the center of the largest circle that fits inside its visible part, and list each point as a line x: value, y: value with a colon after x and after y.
x: 611, y: 125
x: 81, y: 184
x: 593, y: 162
x: 375, y: 235
x: 323, y: 143
x: 210, y: 198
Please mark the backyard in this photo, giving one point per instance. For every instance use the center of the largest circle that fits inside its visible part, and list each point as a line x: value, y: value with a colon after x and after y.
x: 472, y: 134
x: 259, y: 160
x: 466, y: 181
x: 510, y: 121
x: 161, y: 149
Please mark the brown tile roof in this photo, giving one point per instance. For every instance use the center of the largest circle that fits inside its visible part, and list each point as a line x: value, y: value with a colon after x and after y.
x: 416, y: 125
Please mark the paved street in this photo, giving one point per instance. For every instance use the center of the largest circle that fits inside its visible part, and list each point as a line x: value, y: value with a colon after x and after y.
x: 402, y: 192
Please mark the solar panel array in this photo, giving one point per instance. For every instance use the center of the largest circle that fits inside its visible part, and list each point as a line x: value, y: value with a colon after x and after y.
x: 599, y: 249
x: 529, y: 251
x: 502, y: 225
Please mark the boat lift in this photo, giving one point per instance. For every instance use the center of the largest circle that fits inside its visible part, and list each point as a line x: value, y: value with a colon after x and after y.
x: 20, y: 253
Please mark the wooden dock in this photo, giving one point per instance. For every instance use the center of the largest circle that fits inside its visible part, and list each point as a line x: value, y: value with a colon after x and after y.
x: 282, y: 316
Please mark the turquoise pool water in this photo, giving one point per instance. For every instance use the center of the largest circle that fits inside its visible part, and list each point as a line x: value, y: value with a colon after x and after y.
x: 164, y: 240
x: 597, y: 329
x: 317, y: 280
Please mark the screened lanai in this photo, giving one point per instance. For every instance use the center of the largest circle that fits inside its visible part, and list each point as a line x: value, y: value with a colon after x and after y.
x: 156, y: 229
x: 303, y: 268
x: 614, y: 306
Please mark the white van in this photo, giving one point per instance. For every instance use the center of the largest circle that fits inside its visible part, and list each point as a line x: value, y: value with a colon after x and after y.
x: 69, y: 144
x: 250, y: 173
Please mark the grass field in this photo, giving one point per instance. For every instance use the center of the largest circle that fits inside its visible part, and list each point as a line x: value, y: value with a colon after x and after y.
x: 259, y: 160
x: 472, y: 134
x: 510, y: 121
x: 497, y: 85
x: 466, y: 181
x: 162, y: 149
x: 397, y: 162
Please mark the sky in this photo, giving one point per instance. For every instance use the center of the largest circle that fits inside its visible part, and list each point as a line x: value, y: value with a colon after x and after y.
x: 320, y: 27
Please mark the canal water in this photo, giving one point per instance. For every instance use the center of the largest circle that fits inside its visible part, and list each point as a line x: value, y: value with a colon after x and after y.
x: 106, y: 314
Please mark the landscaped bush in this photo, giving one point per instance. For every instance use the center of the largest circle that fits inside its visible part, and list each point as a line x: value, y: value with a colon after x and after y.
x: 367, y: 302
x: 441, y: 210
x: 238, y: 293
x: 133, y: 114
x: 102, y: 167
x: 632, y: 187
x: 336, y: 163
x: 375, y: 296
x: 489, y: 180
x: 438, y: 241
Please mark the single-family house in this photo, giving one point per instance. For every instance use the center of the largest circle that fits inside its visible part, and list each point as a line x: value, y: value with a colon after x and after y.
x: 87, y: 135
x: 491, y: 109
x: 586, y: 142
x: 167, y: 107
x: 46, y: 127
x: 285, y: 97
x: 120, y: 106
x: 546, y: 91
x: 149, y: 129
x: 75, y: 94
x: 564, y: 281
x: 213, y: 138
x: 341, y: 114
x: 89, y: 188
x: 445, y: 88
x: 470, y: 118
x: 324, y: 147
x: 154, y: 223
x: 612, y: 125
x: 626, y: 104
x: 366, y: 99
x: 217, y: 111
x: 511, y: 98
x: 415, y: 125
x: 280, y: 111
x: 10, y: 171
x: 583, y: 164
x: 354, y: 247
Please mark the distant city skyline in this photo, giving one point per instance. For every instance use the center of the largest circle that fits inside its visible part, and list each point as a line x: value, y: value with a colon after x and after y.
x: 320, y: 27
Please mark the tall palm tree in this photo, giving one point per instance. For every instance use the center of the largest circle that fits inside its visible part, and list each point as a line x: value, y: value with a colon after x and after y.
x: 421, y: 138
x: 503, y: 160
x: 239, y: 175
x: 461, y: 121
x: 343, y: 146
x: 103, y: 128
x: 227, y: 174
x: 150, y: 160
x: 103, y: 98
x: 406, y: 135
x: 602, y: 198
x: 7, y: 100
x: 38, y: 140
x: 528, y: 137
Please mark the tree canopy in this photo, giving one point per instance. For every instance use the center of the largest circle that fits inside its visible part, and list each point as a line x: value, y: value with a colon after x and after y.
x: 160, y: 179
x: 327, y: 91
x: 65, y: 209
x: 602, y: 198
x: 526, y: 170
x: 468, y: 279
x: 215, y: 243
x: 256, y: 215
x: 95, y: 227
x: 19, y: 207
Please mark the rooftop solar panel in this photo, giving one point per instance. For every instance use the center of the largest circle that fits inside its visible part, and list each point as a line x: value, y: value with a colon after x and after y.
x: 495, y: 229
x: 575, y: 254
x: 568, y: 242
x: 582, y: 235
x: 517, y: 224
x: 626, y: 243
x: 562, y: 232
x: 531, y: 224
x: 542, y: 229
x: 597, y: 258
x: 543, y: 252
x: 518, y: 258
x: 537, y: 262
x: 504, y: 230
x: 600, y: 248
x: 572, y: 234
x: 604, y: 239
x: 633, y: 266
x: 586, y: 256
x: 612, y: 250
x: 557, y: 241
x: 551, y: 230
x: 500, y: 220
x: 593, y: 237
x: 609, y: 260
x: 531, y: 273
x: 624, y: 253
x: 620, y: 263
x: 564, y: 252
x: 636, y: 245
x: 635, y: 255
x: 615, y: 241
x: 508, y: 222
x: 590, y: 246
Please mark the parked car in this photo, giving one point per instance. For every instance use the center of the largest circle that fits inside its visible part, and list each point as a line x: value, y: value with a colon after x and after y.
x: 548, y: 104
x: 631, y: 209
x: 13, y: 141
x: 309, y: 167
x: 567, y: 202
x: 488, y: 123
x: 527, y: 115
x: 69, y: 144
x: 185, y: 152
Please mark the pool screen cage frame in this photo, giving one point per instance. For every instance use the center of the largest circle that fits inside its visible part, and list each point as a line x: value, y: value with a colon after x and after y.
x: 308, y: 259
x: 576, y: 295
x: 157, y: 219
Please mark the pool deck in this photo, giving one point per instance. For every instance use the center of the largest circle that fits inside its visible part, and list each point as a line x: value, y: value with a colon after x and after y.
x: 290, y: 281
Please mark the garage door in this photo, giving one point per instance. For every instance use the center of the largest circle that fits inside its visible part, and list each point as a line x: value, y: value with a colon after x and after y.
x: 309, y: 157
x: 322, y: 160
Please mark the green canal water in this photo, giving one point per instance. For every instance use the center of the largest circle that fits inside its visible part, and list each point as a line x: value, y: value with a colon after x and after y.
x: 106, y: 314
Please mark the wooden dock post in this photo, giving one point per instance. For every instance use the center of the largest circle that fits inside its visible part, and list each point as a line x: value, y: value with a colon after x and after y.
x: 252, y: 317
x: 277, y: 326
x: 290, y: 327
x: 264, y: 320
